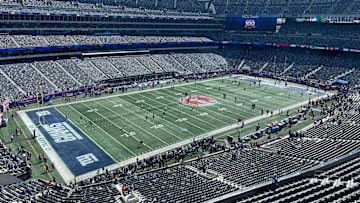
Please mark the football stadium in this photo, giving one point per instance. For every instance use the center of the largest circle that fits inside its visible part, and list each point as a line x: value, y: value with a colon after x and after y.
x: 179, y: 101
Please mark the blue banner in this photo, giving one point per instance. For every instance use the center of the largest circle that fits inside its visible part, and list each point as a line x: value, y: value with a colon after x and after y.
x: 251, y: 22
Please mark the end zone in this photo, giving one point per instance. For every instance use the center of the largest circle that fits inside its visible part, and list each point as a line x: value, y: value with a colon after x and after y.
x: 69, y: 148
x: 293, y: 88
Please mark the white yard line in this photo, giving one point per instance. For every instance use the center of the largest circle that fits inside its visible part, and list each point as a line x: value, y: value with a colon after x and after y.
x: 220, y: 100
x: 142, y: 129
x: 230, y: 104
x: 114, y: 124
x: 88, y: 137
x: 104, y: 131
x: 187, y: 106
x: 183, y: 113
x: 260, y: 101
x: 142, y: 118
x: 164, y: 119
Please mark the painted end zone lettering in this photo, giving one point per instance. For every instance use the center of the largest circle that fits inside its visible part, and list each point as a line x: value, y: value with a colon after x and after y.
x: 78, y: 152
x: 62, y: 132
x: 87, y: 159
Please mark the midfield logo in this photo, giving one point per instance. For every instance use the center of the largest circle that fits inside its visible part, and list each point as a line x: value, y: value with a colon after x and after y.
x: 199, y: 101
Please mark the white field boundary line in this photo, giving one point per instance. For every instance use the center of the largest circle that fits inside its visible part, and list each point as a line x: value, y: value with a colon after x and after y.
x: 140, y: 117
x: 61, y: 167
x: 114, y: 124
x: 186, y: 141
x: 316, y: 110
x: 121, y: 94
x: 141, y: 129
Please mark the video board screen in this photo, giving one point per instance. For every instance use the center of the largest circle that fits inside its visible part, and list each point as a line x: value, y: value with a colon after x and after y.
x: 251, y: 23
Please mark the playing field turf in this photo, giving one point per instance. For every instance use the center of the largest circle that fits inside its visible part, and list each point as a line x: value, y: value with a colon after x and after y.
x: 119, y: 123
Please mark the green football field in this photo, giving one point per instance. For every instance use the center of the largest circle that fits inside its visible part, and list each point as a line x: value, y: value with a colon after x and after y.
x: 119, y: 123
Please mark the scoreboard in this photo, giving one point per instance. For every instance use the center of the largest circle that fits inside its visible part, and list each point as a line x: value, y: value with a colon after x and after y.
x: 264, y: 23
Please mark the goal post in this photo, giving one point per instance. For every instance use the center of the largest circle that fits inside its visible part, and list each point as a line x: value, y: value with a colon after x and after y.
x: 40, y: 104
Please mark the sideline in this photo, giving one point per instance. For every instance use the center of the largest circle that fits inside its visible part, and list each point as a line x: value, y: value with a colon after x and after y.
x: 28, y: 140
x: 159, y: 88
x: 121, y: 94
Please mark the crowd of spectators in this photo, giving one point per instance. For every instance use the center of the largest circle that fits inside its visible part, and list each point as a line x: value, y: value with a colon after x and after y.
x: 34, y: 190
x: 203, y: 62
x: 245, y: 7
x: 53, y: 72
x: 188, y: 64
x: 92, y: 8
x: 65, y: 74
x: 14, y: 161
x: 85, y: 77
x: 106, y: 67
x: 292, y: 8
x: 129, y: 66
x: 146, y: 61
x: 71, y: 73
x: 291, y: 27
x: 22, y: 41
x: 89, y: 69
x: 8, y: 90
x: 183, y: 8
x: 296, y: 63
x: 327, y: 73
x: 173, y: 8
x: 26, y: 77
x: 337, y: 136
x: 352, y: 78
x: 161, y: 61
